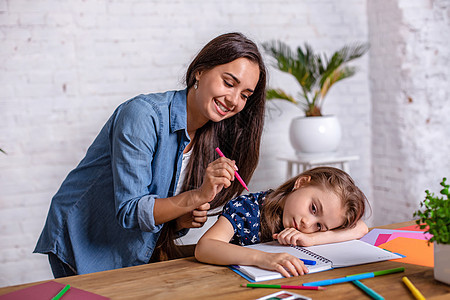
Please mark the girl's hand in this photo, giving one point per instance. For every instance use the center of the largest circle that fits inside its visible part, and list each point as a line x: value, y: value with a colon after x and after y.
x: 219, y: 174
x: 291, y: 236
x: 284, y: 263
x: 194, y: 219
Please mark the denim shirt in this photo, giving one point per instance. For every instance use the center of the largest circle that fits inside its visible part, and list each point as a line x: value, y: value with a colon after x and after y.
x: 101, y: 218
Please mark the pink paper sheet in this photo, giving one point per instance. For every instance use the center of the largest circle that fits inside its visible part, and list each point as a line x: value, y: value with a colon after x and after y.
x: 371, y: 236
x: 48, y: 290
x: 418, y: 235
x: 381, y: 239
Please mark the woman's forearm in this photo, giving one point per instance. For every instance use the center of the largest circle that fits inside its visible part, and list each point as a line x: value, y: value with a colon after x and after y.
x: 166, y: 209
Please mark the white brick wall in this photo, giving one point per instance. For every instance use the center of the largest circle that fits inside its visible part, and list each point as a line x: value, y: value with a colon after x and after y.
x: 65, y: 66
x: 410, y: 98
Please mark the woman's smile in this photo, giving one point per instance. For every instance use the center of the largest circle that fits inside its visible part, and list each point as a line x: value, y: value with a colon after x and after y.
x: 221, y: 108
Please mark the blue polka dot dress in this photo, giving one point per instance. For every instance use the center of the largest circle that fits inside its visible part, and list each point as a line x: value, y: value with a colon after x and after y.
x: 244, y: 213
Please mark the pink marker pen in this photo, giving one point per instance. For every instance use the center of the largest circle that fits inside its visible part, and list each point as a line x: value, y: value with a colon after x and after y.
x: 236, y: 174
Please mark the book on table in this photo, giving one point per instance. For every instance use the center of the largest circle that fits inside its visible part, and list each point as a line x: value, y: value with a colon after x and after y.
x: 48, y: 290
x: 327, y: 257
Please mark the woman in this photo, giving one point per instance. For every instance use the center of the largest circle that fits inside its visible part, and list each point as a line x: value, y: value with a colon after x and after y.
x: 153, y: 165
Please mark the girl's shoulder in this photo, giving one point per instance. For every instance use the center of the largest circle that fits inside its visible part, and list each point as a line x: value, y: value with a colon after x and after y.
x: 251, y: 197
x: 247, y: 202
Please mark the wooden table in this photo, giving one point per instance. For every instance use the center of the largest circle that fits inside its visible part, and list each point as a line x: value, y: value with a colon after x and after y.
x: 188, y: 279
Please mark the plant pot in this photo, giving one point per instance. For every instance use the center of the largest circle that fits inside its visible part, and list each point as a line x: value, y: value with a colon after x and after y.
x: 442, y: 262
x: 315, y: 136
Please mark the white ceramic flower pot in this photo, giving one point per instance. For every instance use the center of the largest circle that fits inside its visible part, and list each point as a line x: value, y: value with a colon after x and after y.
x: 315, y: 136
x: 442, y: 262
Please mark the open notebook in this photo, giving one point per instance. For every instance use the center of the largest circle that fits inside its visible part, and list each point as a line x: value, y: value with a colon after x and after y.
x: 327, y: 256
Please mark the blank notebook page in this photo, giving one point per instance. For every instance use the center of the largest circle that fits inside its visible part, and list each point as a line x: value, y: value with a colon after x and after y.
x: 349, y: 253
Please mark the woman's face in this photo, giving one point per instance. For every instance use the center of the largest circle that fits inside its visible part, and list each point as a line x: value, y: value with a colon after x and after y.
x: 310, y: 209
x: 223, y: 90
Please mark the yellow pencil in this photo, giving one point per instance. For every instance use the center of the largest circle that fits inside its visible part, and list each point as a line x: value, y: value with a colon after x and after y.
x: 413, y: 289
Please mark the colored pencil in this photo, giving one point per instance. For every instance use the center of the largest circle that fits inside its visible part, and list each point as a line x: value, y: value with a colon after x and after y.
x: 281, y: 286
x: 61, y: 293
x: 416, y: 293
x: 384, y: 272
x: 236, y: 174
x: 339, y: 280
x: 367, y: 290
x: 353, y: 277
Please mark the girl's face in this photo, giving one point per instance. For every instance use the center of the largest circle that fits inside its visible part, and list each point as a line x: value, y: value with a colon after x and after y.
x: 309, y: 209
x: 223, y: 90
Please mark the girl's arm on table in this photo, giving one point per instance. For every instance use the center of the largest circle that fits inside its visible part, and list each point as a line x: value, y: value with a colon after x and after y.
x: 292, y: 236
x: 214, y: 248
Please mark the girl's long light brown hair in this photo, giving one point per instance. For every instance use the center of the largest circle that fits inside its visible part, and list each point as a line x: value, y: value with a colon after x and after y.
x: 325, y: 178
x: 239, y: 137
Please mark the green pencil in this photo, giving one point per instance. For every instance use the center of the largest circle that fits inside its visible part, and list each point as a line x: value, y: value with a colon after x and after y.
x: 383, y: 272
x: 61, y: 293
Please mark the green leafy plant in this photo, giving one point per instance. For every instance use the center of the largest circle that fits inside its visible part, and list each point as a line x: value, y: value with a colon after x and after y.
x: 436, y: 214
x: 315, y: 73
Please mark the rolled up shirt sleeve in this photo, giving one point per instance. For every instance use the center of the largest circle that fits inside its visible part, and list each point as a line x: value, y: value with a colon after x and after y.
x: 146, y: 219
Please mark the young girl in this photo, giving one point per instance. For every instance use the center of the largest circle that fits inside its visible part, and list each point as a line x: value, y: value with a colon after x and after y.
x: 152, y: 171
x: 321, y: 205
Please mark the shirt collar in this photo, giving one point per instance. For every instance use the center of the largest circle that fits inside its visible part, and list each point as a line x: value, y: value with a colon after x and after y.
x: 178, y: 111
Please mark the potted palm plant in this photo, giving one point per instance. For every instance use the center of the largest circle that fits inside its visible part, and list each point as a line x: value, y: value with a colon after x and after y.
x: 315, y: 73
x: 435, y: 213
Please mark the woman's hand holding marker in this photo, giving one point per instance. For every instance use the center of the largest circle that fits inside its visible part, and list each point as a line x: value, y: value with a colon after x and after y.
x: 219, y: 174
x: 235, y: 172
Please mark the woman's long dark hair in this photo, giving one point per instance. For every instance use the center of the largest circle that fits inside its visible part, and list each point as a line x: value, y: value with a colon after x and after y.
x: 238, y: 137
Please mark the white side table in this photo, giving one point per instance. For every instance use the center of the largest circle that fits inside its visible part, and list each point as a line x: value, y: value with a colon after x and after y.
x: 296, y: 165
